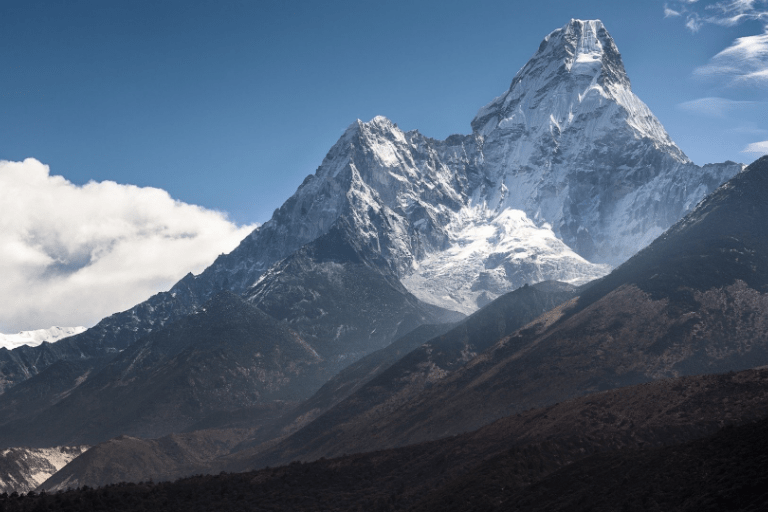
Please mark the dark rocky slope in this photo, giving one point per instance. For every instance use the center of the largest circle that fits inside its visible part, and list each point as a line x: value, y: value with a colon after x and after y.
x: 474, y: 471
x: 414, y: 372
x: 227, y: 356
x: 693, y: 302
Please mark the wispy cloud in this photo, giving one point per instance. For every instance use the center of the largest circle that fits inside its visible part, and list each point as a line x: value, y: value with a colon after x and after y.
x: 724, y: 12
x: 748, y: 129
x: 70, y: 255
x: 694, y: 23
x: 744, y: 62
x: 761, y: 148
x: 713, y: 106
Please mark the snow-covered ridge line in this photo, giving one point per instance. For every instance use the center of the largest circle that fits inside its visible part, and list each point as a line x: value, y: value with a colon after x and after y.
x: 37, y: 337
x: 564, y: 176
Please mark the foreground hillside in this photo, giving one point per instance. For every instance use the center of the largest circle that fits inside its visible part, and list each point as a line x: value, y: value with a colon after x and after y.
x: 524, y: 458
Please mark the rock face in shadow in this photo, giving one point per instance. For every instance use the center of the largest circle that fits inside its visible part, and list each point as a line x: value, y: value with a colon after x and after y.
x: 693, y: 302
x: 226, y: 356
x: 415, y: 372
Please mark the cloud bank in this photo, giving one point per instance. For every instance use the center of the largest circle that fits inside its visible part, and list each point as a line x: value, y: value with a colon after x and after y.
x: 760, y: 148
x: 71, y: 255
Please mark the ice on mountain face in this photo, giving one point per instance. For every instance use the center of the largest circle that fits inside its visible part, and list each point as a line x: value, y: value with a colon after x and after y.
x: 573, y: 146
x: 490, y: 257
x: 37, y: 337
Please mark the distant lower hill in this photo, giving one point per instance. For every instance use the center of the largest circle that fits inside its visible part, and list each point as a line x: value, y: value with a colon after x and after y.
x: 24, y: 469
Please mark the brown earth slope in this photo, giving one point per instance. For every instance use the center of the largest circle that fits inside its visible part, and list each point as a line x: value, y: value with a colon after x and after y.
x: 474, y: 471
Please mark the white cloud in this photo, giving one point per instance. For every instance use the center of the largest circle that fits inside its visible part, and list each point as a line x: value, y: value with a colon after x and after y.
x: 713, y: 107
x: 725, y: 13
x: 71, y: 255
x: 744, y: 62
x: 694, y: 23
x: 760, y: 148
x: 750, y: 129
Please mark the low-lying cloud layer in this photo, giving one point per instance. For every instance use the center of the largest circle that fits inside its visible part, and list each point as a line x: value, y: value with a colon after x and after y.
x: 71, y: 255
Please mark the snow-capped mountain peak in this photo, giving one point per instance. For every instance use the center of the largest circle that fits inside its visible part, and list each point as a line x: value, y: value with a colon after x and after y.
x: 576, y: 78
x: 566, y: 171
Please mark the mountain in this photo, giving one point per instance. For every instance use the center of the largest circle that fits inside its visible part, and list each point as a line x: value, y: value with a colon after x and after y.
x: 160, y: 459
x: 332, y: 305
x: 228, y: 355
x: 444, y: 346
x: 44, y: 390
x: 577, y: 149
x: 692, y: 302
x: 178, y: 455
x: 344, y: 383
x: 563, y: 176
x: 340, y: 293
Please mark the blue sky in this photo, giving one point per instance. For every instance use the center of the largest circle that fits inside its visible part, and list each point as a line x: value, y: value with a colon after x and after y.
x: 230, y: 104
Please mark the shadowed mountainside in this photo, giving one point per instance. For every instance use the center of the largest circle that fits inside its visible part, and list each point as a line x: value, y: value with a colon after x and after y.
x: 692, y: 302
x: 417, y: 371
x: 472, y: 471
